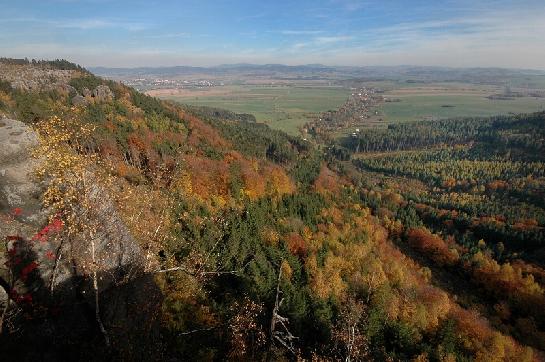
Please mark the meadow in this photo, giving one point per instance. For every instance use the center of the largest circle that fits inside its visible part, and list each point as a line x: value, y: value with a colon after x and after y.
x: 281, y: 107
x: 286, y: 107
x: 452, y: 101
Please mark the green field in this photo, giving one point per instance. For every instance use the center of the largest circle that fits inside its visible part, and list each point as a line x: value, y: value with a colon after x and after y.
x: 281, y: 107
x: 417, y: 107
x: 287, y: 107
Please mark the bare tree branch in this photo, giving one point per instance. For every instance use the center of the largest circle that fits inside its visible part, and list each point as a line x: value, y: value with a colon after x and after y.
x: 197, y: 330
x: 202, y: 273
x: 283, y: 335
x: 56, y: 266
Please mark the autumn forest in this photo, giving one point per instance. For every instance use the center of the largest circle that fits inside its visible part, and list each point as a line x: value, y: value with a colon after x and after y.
x: 162, y: 231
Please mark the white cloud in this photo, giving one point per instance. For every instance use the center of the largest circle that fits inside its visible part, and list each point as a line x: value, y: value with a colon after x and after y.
x: 88, y: 24
x: 319, y: 42
x: 350, y: 5
x: 166, y: 36
x: 512, y: 39
x: 85, y: 24
x: 82, y: 24
x: 331, y: 39
x: 301, y: 32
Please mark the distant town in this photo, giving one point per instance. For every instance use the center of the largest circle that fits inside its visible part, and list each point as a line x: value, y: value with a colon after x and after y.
x: 359, y: 110
x: 145, y: 84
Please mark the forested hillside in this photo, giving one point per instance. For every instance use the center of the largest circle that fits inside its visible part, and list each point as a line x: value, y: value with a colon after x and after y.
x: 469, y: 205
x: 165, y: 232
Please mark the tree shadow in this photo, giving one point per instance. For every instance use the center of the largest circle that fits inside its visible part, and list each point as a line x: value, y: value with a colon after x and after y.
x: 61, y: 324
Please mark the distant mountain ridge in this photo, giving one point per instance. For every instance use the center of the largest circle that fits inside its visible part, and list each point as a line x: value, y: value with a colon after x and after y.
x: 216, y: 70
x: 319, y: 67
x: 279, y: 71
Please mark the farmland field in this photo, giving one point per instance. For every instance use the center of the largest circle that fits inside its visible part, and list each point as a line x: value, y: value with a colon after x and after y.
x: 434, y: 102
x: 286, y: 107
x: 281, y: 107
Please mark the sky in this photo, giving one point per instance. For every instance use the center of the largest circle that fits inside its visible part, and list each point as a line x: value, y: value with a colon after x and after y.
x: 131, y: 33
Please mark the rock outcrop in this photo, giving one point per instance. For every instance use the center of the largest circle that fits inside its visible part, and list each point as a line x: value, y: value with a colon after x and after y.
x: 103, y: 93
x: 59, y: 268
x: 78, y: 100
x: 18, y: 190
x: 86, y: 93
x: 29, y: 78
x: 37, y: 79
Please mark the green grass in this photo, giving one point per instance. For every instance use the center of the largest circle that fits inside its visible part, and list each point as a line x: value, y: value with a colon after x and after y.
x: 287, y: 107
x: 417, y: 107
x: 281, y: 107
x: 534, y: 81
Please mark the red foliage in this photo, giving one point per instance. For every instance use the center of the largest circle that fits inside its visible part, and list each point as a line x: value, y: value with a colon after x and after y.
x: 200, y: 133
x: 327, y: 181
x: 50, y: 255
x: 208, y: 177
x: 432, y: 245
x: 55, y: 226
x: 496, y: 185
x: 28, y: 269
x: 138, y: 141
x: 20, y: 298
x: 296, y: 244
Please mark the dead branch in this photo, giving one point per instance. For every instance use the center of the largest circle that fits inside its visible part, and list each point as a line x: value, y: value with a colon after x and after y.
x: 196, y: 330
x: 55, y: 267
x: 281, y: 335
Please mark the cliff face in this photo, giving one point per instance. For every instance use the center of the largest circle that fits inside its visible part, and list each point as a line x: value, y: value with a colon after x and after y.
x: 54, y: 271
x: 17, y: 189
x: 34, y: 78
x: 20, y: 196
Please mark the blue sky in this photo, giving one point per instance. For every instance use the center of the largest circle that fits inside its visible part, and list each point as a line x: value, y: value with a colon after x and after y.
x: 334, y: 32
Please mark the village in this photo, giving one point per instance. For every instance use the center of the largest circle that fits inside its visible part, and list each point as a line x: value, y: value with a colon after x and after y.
x: 359, y: 111
x: 145, y: 84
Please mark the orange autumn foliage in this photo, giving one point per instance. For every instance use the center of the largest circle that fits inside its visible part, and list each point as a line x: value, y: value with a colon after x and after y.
x: 201, y: 133
x: 296, y: 244
x: 327, y: 181
x: 432, y: 245
x: 370, y: 265
x: 506, y: 279
x: 488, y: 344
x: 212, y: 178
x: 208, y: 177
x: 496, y: 185
x: 278, y: 181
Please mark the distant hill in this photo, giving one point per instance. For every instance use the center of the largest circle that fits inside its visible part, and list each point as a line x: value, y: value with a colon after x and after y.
x: 402, y: 72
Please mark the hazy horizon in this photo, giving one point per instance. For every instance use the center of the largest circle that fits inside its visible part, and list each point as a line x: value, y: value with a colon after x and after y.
x: 483, y: 33
x: 310, y: 65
